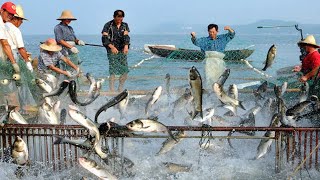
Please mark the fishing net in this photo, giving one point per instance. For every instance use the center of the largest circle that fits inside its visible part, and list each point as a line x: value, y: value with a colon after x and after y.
x: 118, y: 64
x: 214, y: 67
x: 197, y: 55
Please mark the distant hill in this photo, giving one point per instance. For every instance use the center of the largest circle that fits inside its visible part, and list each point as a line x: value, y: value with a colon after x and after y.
x: 174, y: 28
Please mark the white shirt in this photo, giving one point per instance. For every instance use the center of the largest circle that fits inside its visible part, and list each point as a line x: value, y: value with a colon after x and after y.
x: 14, y: 36
x: 3, y: 35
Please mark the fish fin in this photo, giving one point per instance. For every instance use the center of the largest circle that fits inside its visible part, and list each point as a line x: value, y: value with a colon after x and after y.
x: 264, y: 69
x: 241, y: 105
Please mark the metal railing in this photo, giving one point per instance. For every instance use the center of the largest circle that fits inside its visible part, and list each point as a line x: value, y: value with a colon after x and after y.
x: 294, y: 146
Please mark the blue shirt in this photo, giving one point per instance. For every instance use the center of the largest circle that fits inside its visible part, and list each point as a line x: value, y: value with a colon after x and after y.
x: 209, y: 44
x: 64, y: 32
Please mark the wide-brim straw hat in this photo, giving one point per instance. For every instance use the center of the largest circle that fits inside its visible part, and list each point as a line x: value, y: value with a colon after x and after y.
x: 309, y: 40
x: 19, y: 12
x: 51, y: 45
x: 66, y: 14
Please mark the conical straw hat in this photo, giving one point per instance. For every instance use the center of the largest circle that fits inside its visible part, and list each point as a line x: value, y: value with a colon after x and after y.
x: 310, y: 40
x: 50, y: 45
x: 66, y: 14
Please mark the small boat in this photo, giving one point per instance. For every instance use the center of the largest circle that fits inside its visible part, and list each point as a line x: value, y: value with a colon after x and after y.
x: 172, y: 52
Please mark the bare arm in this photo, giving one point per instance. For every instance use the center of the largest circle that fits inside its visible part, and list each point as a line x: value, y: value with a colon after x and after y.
x: 24, y: 54
x: 57, y: 70
x: 7, y: 50
x: 70, y: 63
x: 309, y: 75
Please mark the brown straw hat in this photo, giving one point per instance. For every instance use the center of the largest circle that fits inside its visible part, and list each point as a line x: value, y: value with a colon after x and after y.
x: 66, y: 14
x: 309, y: 40
x: 51, y: 45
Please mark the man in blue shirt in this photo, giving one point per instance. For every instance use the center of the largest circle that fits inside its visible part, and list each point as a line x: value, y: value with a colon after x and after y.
x: 213, y: 42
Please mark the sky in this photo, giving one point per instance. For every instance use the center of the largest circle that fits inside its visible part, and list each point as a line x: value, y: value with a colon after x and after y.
x: 142, y: 15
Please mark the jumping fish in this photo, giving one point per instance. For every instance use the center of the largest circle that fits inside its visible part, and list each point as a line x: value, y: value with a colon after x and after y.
x: 181, y: 102
x: 19, y: 152
x: 111, y: 103
x: 153, y: 99
x: 224, y: 76
x: 223, y: 97
x: 56, y: 92
x: 233, y: 93
x: 96, y: 169
x: 175, y: 168
x: 148, y: 125
x: 74, y: 96
x: 52, y: 79
x: 195, y: 82
x: 270, y: 57
x: 15, y: 115
x: 83, y: 144
x: 261, y: 89
x: 43, y: 85
x: 169, y: 143
x: 123, y: 106
x: 50, y: 114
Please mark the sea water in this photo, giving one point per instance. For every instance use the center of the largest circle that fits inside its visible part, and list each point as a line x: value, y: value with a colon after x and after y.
x: 219, y: 161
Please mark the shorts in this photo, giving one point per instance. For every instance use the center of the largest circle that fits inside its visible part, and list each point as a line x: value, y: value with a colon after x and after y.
x: 118, y: 64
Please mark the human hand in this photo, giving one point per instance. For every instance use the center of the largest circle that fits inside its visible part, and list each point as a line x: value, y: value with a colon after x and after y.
x: 125, y: 49
x: 193, y: 34
x: 29, y: 66
x: 81, y: 43
x: 303, y: 79
x: 125, y: 32
x: 114, y: 50
x: 74, y: 50
x: 16, y: 68
x: 68, y: 74
x: 227, y: 28
x: 296, y: 69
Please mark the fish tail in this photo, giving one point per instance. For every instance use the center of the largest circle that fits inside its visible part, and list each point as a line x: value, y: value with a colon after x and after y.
x: 241, y: 105
x: 264, y: 69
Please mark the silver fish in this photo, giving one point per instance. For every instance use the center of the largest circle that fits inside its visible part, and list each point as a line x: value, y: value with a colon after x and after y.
x: 298, y: 108
x: 224, y: 76
x: 52, y: 79
x: 181, y: 102
x: 153, y: 99
x: 168, y: 144
x: 265, y: 144
x: 233, y: 93
x: 123, y: 106
x: 93, y: 85
x: 195, y: 82
x: 50, y: 114
x: 270, y: 57
x: 223, y: 97
x: 175, y: 168
x: 15, y: 115
x: 19, y: 152
x: 83, y: 144
x: 96, y: 169
x: 43, y: 85
x: 148, y: 125
x: 304, y: 91
x: 92, y: 127
x: 261, y: 89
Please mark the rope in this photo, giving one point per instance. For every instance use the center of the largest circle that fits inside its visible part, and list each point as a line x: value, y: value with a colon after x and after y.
x: 139, y: 63
x: 304, y: 161
x: 255, y: 69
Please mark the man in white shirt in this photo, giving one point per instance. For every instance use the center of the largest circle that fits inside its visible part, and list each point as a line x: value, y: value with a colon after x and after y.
x: 15, y: 36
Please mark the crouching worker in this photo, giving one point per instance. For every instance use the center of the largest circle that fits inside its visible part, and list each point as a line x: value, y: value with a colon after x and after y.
x: 50, y: 57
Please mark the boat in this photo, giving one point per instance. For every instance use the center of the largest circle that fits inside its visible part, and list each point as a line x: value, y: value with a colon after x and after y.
x: 171, y: 52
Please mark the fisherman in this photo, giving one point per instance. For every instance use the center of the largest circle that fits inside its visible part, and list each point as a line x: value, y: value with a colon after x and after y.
x: 49, y: 59
x: 213, y: 42
x: 65, y: 36
x: 10, y: 70
x: 116, y: 40
x: 15, y: 40
x: 311, y: 62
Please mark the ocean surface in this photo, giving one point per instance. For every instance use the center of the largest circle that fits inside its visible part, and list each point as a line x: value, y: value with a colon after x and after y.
x: 147, y: 72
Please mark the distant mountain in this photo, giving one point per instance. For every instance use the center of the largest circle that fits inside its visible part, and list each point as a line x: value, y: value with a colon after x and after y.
x: 176, y: 28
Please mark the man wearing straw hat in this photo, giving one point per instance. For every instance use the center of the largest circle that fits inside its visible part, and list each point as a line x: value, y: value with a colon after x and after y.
x: 65, y: 36
x: 49, y: 59
x: 26, y: 90
x: 311, y: 62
